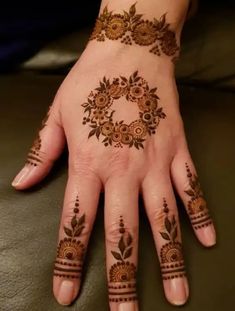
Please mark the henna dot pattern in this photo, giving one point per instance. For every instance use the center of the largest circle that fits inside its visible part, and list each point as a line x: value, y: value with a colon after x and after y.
x: 35, y: 154
x: 171, y: 257
x: 197, y: 207
x: 100, y: 115
x: 122, y: 274
x: 130, y: 28
x: 71, y: 251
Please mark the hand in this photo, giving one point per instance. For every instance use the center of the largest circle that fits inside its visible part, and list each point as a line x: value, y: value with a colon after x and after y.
x: 118, y: 112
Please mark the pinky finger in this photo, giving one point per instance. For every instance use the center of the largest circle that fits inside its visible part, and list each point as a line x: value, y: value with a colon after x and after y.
x: 188, y: 187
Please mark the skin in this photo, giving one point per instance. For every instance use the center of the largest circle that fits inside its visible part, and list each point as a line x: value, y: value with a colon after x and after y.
x: 122, y: 173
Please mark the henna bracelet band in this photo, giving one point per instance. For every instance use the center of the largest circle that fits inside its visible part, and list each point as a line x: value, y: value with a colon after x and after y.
x: 130, y: 28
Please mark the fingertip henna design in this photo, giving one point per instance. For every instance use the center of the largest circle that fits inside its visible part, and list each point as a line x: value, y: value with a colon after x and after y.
x: 130, y: 28
x: 197, y: 207
x: 35, y: 155
x: 171, y: 255
x: 71, y: 251
x: 100, y: 115
x: 122, y: 274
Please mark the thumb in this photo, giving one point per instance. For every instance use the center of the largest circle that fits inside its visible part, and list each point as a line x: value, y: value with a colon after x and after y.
x: 46, y: 148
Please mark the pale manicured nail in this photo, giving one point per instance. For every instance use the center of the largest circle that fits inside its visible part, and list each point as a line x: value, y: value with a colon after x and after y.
x: 209, y: 235
x: 21, y: 176
x: 127, y: 306
x: 66, y: 293
x: 178, y: 291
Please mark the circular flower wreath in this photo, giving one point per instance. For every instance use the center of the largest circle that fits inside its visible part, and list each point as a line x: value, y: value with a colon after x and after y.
x: 100, y: 115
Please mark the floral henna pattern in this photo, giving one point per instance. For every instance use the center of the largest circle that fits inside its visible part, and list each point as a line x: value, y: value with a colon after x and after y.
x: 171, y: 256
x: 70, y: 251
x: 130, y: 27
x: 100, y: 114
x: 197, y: 207
x: 35, y: 154
x: 122, y: 274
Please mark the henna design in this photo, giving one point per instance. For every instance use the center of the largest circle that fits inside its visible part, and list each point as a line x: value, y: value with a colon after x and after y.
x: 122, y: 275
x: 197, y: 207
x: 130, y: 28
x: 100, y: 114
x: 70, y: 251
x: 171, y: 256
x: 35, y: 154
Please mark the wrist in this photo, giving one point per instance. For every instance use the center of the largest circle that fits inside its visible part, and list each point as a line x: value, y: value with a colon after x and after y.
x: 159, y: 35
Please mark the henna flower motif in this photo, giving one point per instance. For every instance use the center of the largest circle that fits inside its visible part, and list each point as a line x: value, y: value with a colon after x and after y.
x: 138, y: 129
x: 100, y: 114
x: 147, y: 103
x: 171, y: 252
x: 102, y: 100
x: 136, y: 92
x: 144, y: 33
x: 122, y: 272
x: 197, y: 205
x: 70, y: 249
x: 116, y: 27
x: 168, y: 43
x: 107, y: 128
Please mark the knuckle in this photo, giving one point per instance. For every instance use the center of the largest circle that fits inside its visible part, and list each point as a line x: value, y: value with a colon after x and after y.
x: 82, y: 164
x: 119, y: 160
x: 113, y: 232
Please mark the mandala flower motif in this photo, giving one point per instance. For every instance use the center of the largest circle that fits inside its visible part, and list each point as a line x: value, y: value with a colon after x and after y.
x: 116, y: 91
x: 136, y: 92
x: 138, y: 129
x: 197, y: 205
x: 122, y: 272
x: 102, y: 100
x: 147, y: 103
x: 144, y: 33
x: 116, y: 136
x: 107, y: 128
x: 171, y: 252
x: 147, y: 117
x: 168, y: 43
x: 116, y: 27
x: 70, y: 249
x: 127, y: 139
x: 97, y: 29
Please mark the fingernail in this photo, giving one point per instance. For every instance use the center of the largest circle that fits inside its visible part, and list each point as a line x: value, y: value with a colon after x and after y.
x: 127, y: 306
x: 66, y: 293
x: 209, y: 235
x: 178, y: 291
x: 21, y: 176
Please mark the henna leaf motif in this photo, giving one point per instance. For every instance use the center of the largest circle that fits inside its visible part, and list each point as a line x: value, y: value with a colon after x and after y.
x: 128, y: 252
x: 78, y: 231
x: 121, y: 245
x: 129, y: 240
x: 168, y: 225
x: 74, y: 222
x: 165, y: 236
x: 81, y: 220
x: 189, y: 192
x: 68, y: 231
x: 116, y: 255
x: 132, y: 10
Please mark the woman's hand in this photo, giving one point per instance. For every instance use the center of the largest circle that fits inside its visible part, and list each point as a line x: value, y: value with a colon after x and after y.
x: 118, y: 112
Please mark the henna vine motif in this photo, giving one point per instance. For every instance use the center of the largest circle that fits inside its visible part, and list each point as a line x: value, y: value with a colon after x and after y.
x: 197, y: 207
x: 171, y: 256
x: 70, y: 251
x: 35, y: 154
x: 122, y: 275
x: 130, y: 27
x: 100, y: 114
